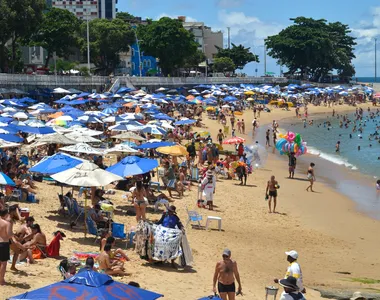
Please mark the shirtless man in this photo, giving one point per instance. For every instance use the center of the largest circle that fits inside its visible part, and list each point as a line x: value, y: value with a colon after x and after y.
x: 271, y: 192
x: 24, y: 233
x: 6, y: 233
x: 105, y: 265
x: 225, y: 273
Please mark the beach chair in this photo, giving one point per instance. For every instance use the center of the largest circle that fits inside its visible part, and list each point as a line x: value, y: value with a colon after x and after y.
x: 91, y: 228
x: 14, y: 195
x: 118, y: 231
x: 194, y: 174
x: 78, y: 211
x: 193, y: 216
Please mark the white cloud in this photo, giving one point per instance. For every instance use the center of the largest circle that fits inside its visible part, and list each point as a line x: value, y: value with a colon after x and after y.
x: 188, y: 19
x: 229, y: 3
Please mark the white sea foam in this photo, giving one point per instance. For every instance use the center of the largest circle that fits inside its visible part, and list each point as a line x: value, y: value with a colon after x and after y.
x: 336, y: 159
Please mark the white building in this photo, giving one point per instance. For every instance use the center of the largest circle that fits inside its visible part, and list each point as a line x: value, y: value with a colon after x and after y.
x: 104, y: 9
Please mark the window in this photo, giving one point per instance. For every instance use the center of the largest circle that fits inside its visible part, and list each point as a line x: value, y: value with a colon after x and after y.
x: 149, y: 64
x: 145, y: 63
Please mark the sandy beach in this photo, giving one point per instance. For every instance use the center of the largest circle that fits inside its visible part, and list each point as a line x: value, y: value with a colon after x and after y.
x: 336, y: 243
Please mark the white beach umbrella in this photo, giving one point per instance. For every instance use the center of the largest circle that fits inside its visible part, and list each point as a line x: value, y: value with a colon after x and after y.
x: 5, y: 144
x: 65, y: 118
x: 54, y: 138
x: 80, y: 138
x: 86, y: 174
x: 122, y: 148
x: 61, y: 91
x: 20, y: 115
x: 86, y: 131
x: 82, y: 148
x: 129, y: 136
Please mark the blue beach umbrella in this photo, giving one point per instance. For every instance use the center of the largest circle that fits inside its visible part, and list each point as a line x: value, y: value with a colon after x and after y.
x: 5, y: 180
x: 36, y: 130
x: 10, y: 137
x: 88, y: 284
x: 185, y: 122
x: 152, y: 129
x: 56, y: 163
x: 133, y: 165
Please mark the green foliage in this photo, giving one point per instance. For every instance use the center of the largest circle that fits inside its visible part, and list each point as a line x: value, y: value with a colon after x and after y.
x: 365, y: 280
x: 239, y: 55
x: 223, y: 64
x: 167, y: 40
x: 314, y: 47
x: 126, y: 17
x: 64, y: 65
x: 57, y: 33
x: 108, y: 38
x: 194, y: 60
x: 18, y: 20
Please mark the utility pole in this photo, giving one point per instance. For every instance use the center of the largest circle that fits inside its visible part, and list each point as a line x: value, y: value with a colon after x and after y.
x: 375, y: 59
x: 229, y: 37
x: 265, y: 60
x: 88, y: 45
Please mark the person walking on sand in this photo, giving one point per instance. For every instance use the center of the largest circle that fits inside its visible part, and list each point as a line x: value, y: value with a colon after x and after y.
x: 220, y: 137
x: 294, y: 270
x: 226, y: 271
x: 243, y: 126
x: 292, y: 164
x: 267, y: 138
x: 311, y: 176
x: 271, y: 192
x: 6, y: 233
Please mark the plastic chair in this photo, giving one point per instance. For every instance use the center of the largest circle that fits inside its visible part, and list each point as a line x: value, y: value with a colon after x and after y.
x: 211, y: 218
x: 118, y: 231
x: 194, y: 216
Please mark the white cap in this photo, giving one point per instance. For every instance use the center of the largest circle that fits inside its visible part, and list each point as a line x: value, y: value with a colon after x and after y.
x: 292, y: 254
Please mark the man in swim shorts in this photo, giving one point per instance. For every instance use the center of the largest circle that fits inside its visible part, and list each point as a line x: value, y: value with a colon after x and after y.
x: 226, y: 271
x: 292, y: 164
x: 6, y: 233
x: 271, y: 192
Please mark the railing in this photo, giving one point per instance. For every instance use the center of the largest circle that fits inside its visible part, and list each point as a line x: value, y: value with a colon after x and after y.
x: 167, y: 81
x: 51, y: 80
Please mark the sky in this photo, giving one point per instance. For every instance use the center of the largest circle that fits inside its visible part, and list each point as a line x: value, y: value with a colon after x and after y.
x: 251, y: 21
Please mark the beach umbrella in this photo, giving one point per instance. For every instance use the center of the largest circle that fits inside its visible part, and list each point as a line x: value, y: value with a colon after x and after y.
x: 176, y: 150
x: 89, y: 119
x: 133, y: 165
x: 55, y: 138
x: 153, y: 129
x: 121, y: 127
x: 20, y: 115
x: 122, y: 148
x: 5, y: 180
x: 234, y: 140
x: 10, y: 137
x: 113, y: 119
x: 82, y: 148
x: 79, y: 138
x: 154, y: 145
x: 61, y: 91
x: 56, y: 163
x: 185, y: 122
x: 86, y: 174
x: 5, y: 144
x: 128, y: 136
x: 87, y: 131
x: 36, y: 130
x: 88, y: 284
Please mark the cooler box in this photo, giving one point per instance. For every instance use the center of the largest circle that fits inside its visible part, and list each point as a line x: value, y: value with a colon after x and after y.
x: 24, y: 212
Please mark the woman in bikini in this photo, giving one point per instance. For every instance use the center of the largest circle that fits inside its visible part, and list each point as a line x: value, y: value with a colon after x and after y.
x: 138, y: 196
x: 311, y: 176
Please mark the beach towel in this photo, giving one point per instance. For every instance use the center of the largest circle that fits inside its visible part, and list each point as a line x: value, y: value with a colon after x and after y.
x: 37, y: 253
x: 167, y: 243
x: 187, y: 255
x: 142, y: 238
x: 52, y: 250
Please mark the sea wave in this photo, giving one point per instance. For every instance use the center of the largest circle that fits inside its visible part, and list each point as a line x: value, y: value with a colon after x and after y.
x: 336, y: 159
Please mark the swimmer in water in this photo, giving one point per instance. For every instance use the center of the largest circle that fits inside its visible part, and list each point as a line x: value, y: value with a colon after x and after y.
x: 359, y: 148
x: 337, y: 146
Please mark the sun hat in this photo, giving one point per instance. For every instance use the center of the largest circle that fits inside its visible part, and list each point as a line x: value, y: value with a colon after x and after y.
x: 290, y: 282
x: 172, y: 208
x: 357, y: 296
x: 227, y: 252
x: 292, y: 254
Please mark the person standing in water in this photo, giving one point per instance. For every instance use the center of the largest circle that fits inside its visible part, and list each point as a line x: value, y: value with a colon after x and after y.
x: 337, y: 146
x: 311, y: 176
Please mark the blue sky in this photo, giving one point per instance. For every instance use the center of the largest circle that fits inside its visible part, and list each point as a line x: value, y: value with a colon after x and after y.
x: 251, y: 21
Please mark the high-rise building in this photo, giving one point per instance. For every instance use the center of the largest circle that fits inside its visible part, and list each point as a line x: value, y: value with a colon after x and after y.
x: 103, y: 9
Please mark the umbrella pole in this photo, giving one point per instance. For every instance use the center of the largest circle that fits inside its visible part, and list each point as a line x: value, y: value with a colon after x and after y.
x: 85, y: 216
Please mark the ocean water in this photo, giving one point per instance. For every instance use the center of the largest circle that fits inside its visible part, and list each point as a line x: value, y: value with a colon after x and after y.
x: 367, y: 79
x: 321, y: 140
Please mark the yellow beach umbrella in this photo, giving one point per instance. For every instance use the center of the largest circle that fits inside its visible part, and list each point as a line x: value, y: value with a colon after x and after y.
x: 176, y: 150
x: 203, y: 133
x: 249, y: 93
x: 273, y: 102
x: 238, y: 113
x: 290, y: 104
x: 250, y: 99
x: 210, y: 108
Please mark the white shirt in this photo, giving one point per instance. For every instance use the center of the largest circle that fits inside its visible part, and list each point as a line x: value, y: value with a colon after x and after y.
x: 286, y: 296
x: 294, y: 270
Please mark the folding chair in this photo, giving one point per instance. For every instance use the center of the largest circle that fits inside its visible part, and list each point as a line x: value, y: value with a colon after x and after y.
x: 91, y: 228
x: 194, y: 216
x: 78, y: 210
x: 15, y: 193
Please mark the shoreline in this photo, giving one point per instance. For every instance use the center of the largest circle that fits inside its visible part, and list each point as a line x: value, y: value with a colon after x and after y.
x: 354, y: 184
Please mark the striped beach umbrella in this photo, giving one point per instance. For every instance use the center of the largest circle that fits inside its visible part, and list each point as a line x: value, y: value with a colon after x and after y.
x: 5, y: 180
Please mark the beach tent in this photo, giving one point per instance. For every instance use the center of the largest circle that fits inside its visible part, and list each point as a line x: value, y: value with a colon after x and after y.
x: 56, y: 163
x: 86, y: 174
x: 88, y: 284
x: 133, y: 165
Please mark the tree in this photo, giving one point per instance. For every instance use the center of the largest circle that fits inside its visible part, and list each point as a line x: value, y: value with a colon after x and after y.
x: 108, y: 38
x: 167, y: 40
x: 18, y: 20
x: 194, y: 60
x: 126, y: 17
x: 239, y: 55
x: 223, y: 64
x: 57, y: 33
x: 313, y: 47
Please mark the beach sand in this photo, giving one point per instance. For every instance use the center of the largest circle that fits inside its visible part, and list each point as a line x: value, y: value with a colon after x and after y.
x: 330, y: 236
